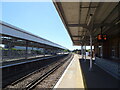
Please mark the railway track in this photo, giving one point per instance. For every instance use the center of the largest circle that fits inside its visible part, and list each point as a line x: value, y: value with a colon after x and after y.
x: 37, y: 81
x: 33, y: 84
x: 31, y: 80
x: 13, y: 72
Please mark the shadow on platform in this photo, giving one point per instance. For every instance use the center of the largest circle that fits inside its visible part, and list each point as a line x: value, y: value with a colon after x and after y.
x: 97, y: 78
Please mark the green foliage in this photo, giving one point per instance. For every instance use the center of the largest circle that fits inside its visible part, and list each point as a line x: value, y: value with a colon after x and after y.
x: 37, y: 51
x: 88, y: 50
x: 13, y: 49
x: 4, y: 49
x: 76, y: 51
x: 1, y: 48
x: 66, y: 50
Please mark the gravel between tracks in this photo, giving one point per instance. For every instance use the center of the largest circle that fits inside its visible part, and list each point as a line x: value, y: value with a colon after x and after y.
x: 27, y: 80
x: 52, y: 79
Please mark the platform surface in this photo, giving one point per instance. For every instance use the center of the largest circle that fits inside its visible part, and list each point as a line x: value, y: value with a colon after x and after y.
x: 72, y: 77
x: 98, y: 78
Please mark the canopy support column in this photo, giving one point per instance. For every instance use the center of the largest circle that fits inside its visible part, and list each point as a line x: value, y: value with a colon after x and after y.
x: 85, y: 52
x: 90, y: 68
x: 82, y: 52
x: 26, y: 50
x: 44, y: 50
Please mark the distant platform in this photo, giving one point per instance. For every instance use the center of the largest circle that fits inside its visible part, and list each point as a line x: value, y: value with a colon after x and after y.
x: 22, y: 61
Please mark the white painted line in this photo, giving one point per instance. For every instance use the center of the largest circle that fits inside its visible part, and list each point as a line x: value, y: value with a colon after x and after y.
x: 63, y: 75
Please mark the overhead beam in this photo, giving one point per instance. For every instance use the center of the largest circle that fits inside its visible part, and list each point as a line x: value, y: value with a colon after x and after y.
x: 90, y: 7
x: 80, y: 40
x: 77, y: 25
x: 77, y: 36
x: 80, y: 36
x: 98, y: 25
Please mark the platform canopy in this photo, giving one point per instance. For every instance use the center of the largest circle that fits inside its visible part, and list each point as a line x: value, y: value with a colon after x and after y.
x: 80, y: 18
x: 13, y: 31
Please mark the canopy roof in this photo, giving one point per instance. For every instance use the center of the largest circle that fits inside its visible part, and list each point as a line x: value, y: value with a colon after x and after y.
x: 13, y: 31
x: 80, y: 18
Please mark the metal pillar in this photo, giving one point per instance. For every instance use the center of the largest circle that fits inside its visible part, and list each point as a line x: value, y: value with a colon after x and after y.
x: 10, y: 45
x: 32, y: 51
x: 90, y: 32
x: 82, y: 52
x: 90, y: 68
x: 85, y: 52
x: 9, y: 50
x: 52, y: 51
x: 26, y: 50
x: 44, y: 50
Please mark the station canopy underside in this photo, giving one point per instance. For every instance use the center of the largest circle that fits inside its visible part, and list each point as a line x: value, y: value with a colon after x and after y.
x: 81, y: 17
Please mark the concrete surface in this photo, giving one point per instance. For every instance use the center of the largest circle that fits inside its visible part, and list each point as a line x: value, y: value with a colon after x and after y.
x: 72, y: 77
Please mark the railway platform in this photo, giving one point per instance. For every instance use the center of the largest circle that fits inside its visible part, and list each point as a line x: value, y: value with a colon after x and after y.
x: 98, y: 78
x: 21, y: 60
x: 72, y: 77
x: 77, y: 75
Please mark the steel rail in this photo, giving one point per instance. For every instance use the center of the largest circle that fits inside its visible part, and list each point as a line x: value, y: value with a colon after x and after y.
x: 32, y: 73
x: 34, y: 83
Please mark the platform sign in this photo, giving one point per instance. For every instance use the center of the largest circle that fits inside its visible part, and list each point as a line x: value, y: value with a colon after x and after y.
x: 102, y: 37
x: 99, y: 37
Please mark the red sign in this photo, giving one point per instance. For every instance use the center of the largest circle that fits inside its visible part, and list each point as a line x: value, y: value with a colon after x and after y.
x: 99, y: 37
x: 102, y: 37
